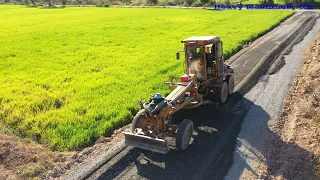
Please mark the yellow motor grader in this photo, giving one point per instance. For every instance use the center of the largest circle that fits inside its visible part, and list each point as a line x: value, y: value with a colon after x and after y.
x: 206, y: 75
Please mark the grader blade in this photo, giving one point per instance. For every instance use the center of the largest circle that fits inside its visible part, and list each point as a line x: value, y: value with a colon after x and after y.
x: 146, y: 142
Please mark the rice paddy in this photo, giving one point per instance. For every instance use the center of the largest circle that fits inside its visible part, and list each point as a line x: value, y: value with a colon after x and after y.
x: 70, y: 75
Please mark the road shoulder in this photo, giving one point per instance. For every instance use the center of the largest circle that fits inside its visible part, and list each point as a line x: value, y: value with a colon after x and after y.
x: 299, y: 125
x: 290, y: 146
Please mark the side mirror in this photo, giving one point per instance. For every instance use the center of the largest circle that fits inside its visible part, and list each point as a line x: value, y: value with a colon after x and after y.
x: 178, y: 55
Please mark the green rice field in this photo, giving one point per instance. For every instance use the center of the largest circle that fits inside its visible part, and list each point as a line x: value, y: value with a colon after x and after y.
x: 70, y: 75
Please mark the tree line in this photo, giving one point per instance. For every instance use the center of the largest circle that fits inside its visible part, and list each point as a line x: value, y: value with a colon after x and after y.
x: 192, y: 3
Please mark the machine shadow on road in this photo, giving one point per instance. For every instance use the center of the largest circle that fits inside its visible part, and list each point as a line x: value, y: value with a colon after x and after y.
x: 276, y: 157
x: 215, y: 143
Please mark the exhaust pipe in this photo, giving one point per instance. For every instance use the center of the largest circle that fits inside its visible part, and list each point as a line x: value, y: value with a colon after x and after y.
x: 146, y: 142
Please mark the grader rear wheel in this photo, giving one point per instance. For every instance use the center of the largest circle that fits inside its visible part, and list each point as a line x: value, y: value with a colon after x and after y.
x: 220, y: 94
x: 231, y: 84
x: 184, y: 134
x: 136, y: 122
x: 223, y: 92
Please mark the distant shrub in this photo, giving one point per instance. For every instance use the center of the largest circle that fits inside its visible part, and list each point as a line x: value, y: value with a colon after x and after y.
x: 188, y: 2
x: 203, y: 2
x: 169, y: 2
x: 98, y: 3
x: 197, y: 4
x: 139, y: 3
x: 126, y: 1
x: 162, y: 3
x: 211, y: 3
x: 173, y: 3
x: 115, y: 3
x: 106, y: 5
x: 64, y: 2
x: 266, y: 1
x: 151, y: 2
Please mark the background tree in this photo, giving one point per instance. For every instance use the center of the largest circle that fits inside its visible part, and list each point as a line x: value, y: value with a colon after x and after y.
x: 64, y: 2
x: 204, y: 2
x: 188, y: 2
x: 149, y: 2
x: 267, y: 2
x: 49, y: 2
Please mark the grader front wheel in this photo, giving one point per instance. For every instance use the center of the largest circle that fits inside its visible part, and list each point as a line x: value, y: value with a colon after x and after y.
x: 136, y: 123
x: 184, y: 134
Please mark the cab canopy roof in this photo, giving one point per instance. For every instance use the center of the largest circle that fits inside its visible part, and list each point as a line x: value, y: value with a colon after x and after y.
x: 201, y: 40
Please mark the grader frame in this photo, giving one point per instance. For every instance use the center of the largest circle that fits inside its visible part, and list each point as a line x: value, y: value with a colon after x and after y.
x: 205, y: 75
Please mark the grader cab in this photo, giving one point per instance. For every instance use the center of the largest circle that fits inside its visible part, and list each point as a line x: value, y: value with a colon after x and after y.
x: 206, y: 75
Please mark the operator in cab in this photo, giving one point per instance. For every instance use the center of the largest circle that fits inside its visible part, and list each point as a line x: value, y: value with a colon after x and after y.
x: 210, y: 58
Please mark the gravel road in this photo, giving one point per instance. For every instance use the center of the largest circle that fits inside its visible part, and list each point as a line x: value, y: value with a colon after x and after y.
x: 225, y: 137
x: 267, y: 98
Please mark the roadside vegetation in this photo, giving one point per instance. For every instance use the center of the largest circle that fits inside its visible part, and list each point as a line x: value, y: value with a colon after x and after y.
x: 70, y: 75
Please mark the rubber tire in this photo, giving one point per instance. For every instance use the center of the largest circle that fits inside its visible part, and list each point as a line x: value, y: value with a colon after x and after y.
x: 223, y: 93
x: 181, y: 142
x: 231, y: 84
x: 137, y: 119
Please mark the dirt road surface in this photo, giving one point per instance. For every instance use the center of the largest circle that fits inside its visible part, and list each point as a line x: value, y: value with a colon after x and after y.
x: 226, y: 138
x: 263, y: 116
